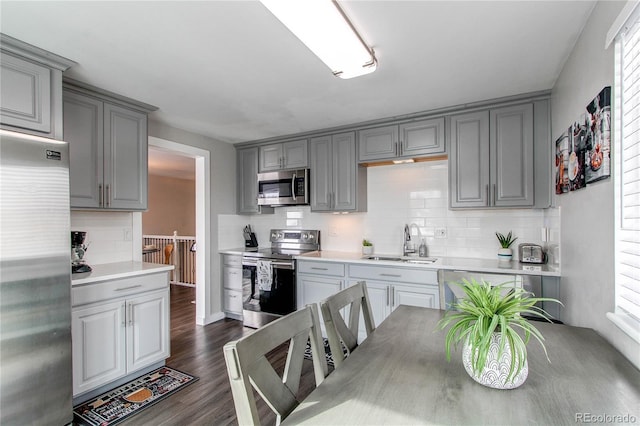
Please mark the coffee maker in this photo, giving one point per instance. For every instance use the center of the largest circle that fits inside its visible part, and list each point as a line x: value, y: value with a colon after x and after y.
x: 78, y: 264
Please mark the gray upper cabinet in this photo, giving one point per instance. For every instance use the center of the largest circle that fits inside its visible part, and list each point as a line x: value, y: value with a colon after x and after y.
x: 107, y: 151
x: 338, y: 184
x: 491, y: 158
x: 411, y: 139
x: 247, y: 180
x: 31, y: 88
x: 285, y: 155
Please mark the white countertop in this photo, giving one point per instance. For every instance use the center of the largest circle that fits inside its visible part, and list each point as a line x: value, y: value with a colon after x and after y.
x: 444, y: 263
x: 117, y: 270
x: 489, y: 266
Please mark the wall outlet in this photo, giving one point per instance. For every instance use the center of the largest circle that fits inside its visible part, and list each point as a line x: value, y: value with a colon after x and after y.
x: 126, y: 234
x: 440, y: 233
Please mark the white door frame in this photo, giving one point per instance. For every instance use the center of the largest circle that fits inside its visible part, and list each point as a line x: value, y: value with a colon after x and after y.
x: 203, y: 219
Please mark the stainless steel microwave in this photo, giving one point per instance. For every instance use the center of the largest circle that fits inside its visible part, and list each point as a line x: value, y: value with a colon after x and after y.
x: 283, y: 188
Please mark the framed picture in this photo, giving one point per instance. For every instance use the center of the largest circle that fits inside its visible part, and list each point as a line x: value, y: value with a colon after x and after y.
x: 577, y: 148
x: 562, y: 164
x: 598, y: 142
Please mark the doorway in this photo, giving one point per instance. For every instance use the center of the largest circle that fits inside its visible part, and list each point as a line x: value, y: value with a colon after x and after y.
x: 199, y: 169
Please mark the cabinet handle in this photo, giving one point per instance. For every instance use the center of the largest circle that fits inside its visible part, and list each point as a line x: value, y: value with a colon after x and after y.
x: 400, y: 148
x: 319, y: 269
x: 393, y: 296
x: 108, y: 195
x: 128, y: 288
x: 494, y: 194
x: 100, y: 195
x: 395, y: 148
x: 124, y: 316
x: 388, y: 287
x: 488, y: 198
x: 391, y: 275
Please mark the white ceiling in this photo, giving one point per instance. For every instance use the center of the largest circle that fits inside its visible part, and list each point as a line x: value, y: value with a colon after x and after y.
x: 231, y: 71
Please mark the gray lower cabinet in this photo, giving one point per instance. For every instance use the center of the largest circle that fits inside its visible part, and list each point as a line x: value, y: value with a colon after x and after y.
x: 285, y: 155
x: 338, y: 184
x: 31, y: 88
x: 118, y: 327
x: 407, y: 140
x: 491, y: 158
x: 107, y: 152
x: 247, y: 182
x: 232, y: 285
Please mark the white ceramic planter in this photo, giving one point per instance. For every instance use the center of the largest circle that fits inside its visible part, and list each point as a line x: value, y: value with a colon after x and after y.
x: 367, y: 250
x: 496, y: 370
x: 505, y: 254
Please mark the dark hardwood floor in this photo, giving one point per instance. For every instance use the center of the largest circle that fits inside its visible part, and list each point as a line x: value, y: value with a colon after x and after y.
x: 197, y: 350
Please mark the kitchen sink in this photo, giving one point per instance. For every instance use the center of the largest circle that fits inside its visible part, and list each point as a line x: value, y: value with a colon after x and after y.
x: 387, y: 258
x: 413, y: 260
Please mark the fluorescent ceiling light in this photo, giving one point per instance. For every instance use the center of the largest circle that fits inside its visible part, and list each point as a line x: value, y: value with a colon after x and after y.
x: 324, y: 28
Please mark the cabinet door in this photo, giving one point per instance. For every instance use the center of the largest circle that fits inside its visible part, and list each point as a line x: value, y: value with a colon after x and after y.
x: 83, y: 124
x: 422, y: 296
x: 233, y: 301
x: 25, y: 94
x: 271, y: 157
x: 125, y: 158
x: 247, y: 164
x: 512, y: 156
x: 295, y: 154
x: 380, y: 301
x: 148, y: 338
x: 321, y: 174
x: 98, y: 342
x: 313, y: 288
x: 422, y: 137
x: 344, y: 172
x: 378, y: 143
x: 469, y: 160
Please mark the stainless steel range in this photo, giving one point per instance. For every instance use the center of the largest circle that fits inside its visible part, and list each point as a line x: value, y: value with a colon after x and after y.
x: 269, y: 275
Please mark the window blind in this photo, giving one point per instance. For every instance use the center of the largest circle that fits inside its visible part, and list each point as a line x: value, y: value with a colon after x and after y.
x: 627, y: 178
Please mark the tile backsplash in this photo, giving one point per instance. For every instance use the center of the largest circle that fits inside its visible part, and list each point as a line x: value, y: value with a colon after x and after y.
x: 414, y: 194
x: 110, y: 235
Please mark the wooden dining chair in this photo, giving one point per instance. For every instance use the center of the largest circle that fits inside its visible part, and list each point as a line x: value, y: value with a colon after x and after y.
x: 339, y: 332
x: 168, y: 249
x: 248, y: 367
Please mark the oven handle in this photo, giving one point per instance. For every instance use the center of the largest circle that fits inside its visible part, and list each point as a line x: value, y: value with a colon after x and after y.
x: 280, y: 264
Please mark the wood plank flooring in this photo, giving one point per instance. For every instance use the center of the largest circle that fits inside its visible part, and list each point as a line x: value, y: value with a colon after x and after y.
x: 198, y: 350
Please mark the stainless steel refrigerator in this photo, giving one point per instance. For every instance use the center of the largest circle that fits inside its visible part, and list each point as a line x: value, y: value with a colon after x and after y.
x: 35, y: 281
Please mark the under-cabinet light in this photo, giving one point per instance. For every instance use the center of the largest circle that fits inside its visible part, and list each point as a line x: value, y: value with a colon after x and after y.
x: 324, y: 28
x: 408, y: 160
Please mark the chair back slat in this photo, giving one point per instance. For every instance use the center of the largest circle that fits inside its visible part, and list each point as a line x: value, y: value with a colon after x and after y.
x: 355, y: 299
x: 248, y: 368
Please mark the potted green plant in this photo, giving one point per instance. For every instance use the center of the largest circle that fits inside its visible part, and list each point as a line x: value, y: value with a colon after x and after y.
x: 487, y: 320
x: 367, y: 247
x: 505, y: 253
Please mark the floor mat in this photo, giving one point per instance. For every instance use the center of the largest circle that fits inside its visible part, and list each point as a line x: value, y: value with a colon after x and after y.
x: 327, y: 351
x: 118, y: 404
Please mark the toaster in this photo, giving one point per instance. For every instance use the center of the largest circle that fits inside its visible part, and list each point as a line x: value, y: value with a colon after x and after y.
x: 531, y: 253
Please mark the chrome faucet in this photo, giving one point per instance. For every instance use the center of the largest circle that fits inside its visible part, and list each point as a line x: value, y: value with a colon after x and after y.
x: 407, y: 247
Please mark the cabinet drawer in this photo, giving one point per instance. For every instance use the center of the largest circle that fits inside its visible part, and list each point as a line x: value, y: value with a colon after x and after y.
x: 232, y: 260
x: 321, y: 268
x: 95, y: 292
x: 233, y: 278
x: 233, y: 301
x: 383, y: 273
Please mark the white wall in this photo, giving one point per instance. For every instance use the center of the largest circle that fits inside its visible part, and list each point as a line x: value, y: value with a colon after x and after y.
x: 398, y: 195
x: 587, y: 221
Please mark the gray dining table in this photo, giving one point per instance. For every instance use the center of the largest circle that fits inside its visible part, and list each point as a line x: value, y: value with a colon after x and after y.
x: 400, y: 375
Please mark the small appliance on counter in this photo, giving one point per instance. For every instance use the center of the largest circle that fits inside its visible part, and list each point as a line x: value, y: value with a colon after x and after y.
x: 531, y: 253
x: 250, y: 240
x: 78, y: 249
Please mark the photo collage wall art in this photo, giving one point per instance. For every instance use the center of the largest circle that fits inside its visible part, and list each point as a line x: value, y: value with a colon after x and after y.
x: 583, y: 152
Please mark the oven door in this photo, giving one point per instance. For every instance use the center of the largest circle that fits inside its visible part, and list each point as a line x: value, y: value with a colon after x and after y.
x: 288, y: 187
x: 262, y: 306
